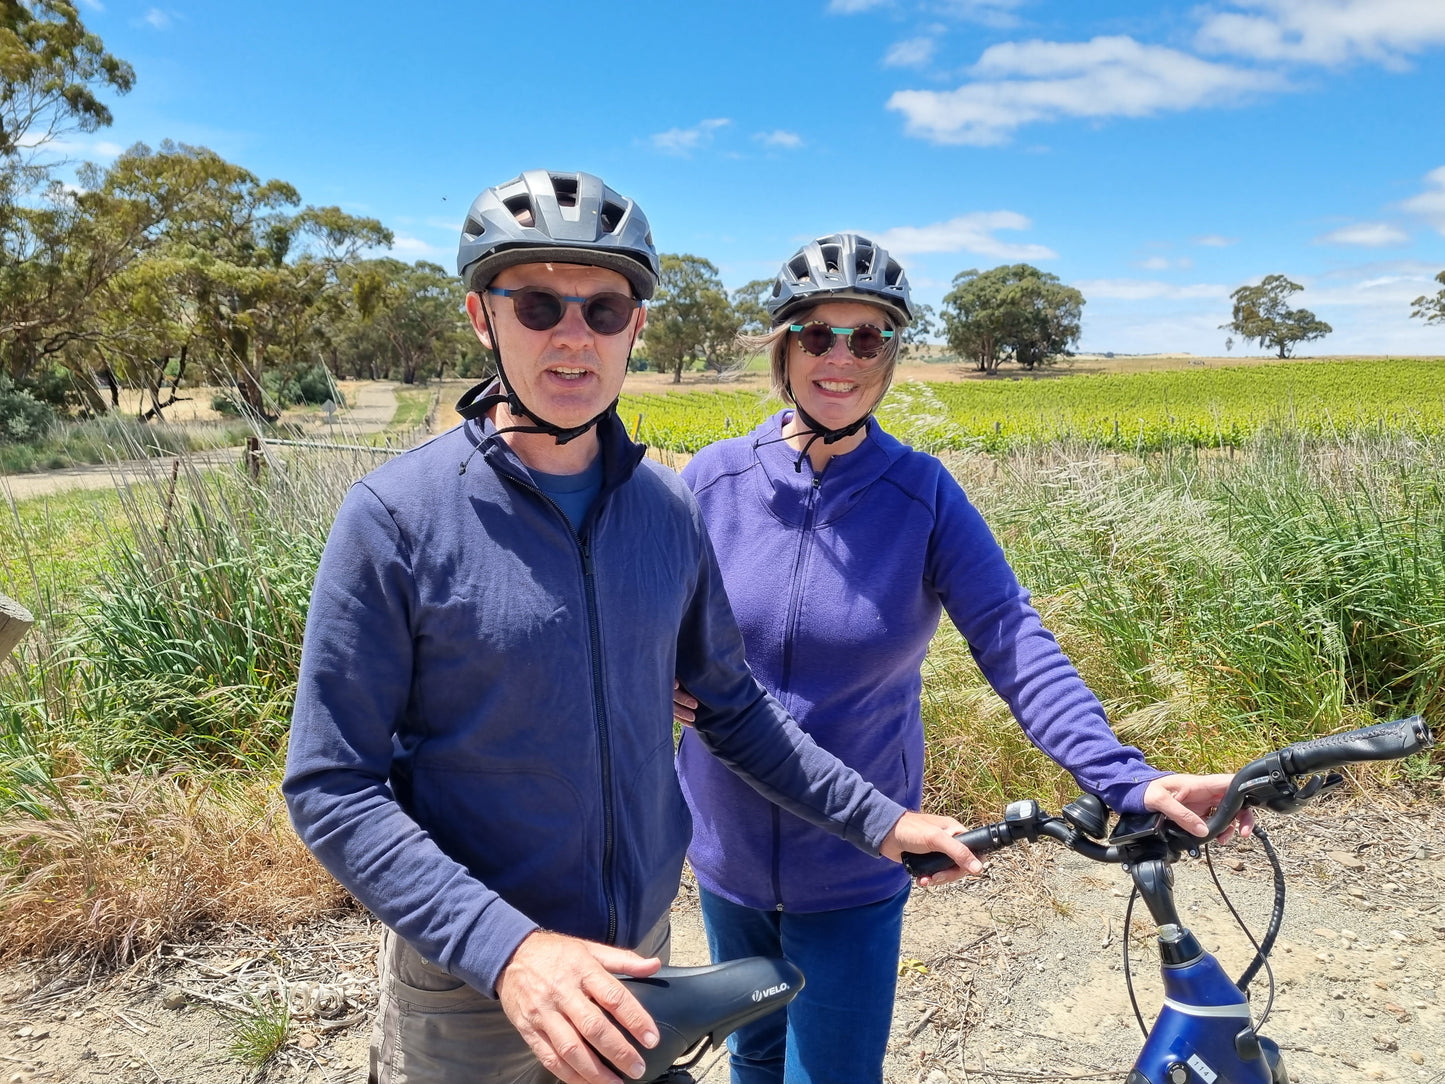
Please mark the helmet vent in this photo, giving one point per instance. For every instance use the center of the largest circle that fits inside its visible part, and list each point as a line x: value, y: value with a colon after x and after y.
x: 799, y: 267
x: 566, y: 189
x: 611, y: 216
x: 521, y: 209
x: 473, y: 228
x: 832, y: 257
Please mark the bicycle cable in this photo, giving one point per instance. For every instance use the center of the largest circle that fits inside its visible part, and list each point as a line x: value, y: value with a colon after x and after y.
x: 1261, y: 954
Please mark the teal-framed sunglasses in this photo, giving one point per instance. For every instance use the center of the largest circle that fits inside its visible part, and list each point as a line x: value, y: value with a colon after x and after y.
x: 817, y: 338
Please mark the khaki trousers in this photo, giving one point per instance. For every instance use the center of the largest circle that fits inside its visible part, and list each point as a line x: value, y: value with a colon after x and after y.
x: 432, y: 1028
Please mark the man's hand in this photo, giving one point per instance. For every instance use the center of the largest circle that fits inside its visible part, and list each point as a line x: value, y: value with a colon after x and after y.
x: 1188, y: 799
x: 924, y: 832
x: 554, y: 991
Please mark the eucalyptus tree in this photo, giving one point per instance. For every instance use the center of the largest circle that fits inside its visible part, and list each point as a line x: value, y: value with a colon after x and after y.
x: 1013, y: 313
x: 1431, y: 309
x: 1262, y: 314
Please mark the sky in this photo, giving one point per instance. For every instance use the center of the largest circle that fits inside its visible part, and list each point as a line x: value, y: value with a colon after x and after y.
x: 1154, y: 156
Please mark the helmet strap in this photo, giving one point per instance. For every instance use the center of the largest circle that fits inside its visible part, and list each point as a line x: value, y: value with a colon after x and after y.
x: 820, y: 431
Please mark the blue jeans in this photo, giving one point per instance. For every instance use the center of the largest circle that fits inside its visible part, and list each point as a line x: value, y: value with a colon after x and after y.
x: 836, y: 1030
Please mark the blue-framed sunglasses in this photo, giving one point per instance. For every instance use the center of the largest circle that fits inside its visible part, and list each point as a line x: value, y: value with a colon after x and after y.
x: 817, y: 338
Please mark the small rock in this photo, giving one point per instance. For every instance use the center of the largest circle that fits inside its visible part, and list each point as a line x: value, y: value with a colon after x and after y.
x: 1347, y: 860
x: 1234, y: 864
x: 174, y: 999
x: 1349, y: 935
x: 1358, y: 893
x: 24, y: 1033
x: 307, y: 1041
x: 1417, y: 1056
x: 1397, y: 963
x: 1398, y: 936
x: 1384, y: 1042
x: 1328, y: 935
x: 1374, y: 1074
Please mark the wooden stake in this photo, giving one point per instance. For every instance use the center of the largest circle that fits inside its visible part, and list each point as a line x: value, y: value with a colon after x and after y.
x: 15, y: 622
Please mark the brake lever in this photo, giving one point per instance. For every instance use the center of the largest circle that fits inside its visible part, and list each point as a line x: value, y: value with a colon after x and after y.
x: 1314, y: 787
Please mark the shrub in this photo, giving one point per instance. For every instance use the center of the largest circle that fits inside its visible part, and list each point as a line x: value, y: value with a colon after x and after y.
x: 24, y: 419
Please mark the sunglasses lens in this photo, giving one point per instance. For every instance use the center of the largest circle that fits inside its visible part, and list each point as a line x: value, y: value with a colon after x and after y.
x: 816, y: 339
x: 865, y: 341
x: 537, y: 310
x: 607, y: 314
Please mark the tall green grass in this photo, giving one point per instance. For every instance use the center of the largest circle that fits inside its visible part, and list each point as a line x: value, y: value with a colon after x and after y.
x: 108, y: 438
x: 1219, y: 605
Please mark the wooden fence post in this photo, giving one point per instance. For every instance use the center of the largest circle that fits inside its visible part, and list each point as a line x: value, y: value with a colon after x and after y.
x: 15, y: 622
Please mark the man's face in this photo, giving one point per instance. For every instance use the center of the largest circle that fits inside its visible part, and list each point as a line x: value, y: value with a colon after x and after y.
x: 568, y: 373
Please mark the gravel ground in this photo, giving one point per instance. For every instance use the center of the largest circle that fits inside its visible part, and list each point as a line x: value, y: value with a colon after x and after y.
x: 1014, y: 976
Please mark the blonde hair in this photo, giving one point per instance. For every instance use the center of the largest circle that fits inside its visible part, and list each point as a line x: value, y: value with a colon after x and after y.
x: 774, y: 344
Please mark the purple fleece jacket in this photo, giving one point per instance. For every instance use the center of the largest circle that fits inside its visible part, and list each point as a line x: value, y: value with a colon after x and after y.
x: 838, y: 581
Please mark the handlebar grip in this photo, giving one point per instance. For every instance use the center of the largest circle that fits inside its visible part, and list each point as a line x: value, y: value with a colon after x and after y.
x: 1383, y: 741
x: 979, y: 840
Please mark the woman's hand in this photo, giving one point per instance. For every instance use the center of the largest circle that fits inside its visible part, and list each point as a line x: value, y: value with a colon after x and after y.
x: 684, y: 706
x: 1188, y: 799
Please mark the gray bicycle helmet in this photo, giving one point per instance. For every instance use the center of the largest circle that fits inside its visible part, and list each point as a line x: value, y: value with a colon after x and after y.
x: 543, y: 216
x: 841, y: 266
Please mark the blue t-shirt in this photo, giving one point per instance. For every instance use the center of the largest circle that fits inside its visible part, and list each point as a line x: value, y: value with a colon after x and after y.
x: 574, y: 493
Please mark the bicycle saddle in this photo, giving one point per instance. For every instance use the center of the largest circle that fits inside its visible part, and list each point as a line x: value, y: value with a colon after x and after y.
x: 693, y: 1004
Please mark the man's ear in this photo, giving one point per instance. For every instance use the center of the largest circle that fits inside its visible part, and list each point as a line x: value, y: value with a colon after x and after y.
x: 478, y: 316
x: 641, y: 316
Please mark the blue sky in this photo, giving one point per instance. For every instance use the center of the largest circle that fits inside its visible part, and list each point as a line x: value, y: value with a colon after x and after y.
x: 1155, y: 156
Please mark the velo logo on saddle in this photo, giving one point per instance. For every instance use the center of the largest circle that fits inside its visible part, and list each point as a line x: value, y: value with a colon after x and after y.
x: 771, y: 991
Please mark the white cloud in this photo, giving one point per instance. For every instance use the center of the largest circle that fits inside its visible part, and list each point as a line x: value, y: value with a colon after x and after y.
x: 1164, y: 263
x: 910, y: 53
x: 683, y: 140
x: 94, y: 5
x: 404, y: 247
x: 1388, y: 32
x: 995, y: 13
x: 157, y: 18
x: 966, y: 233
x: 1028, y: 82
x: 852, y: 7
x: 1215, y: 240
x: 780, y: 138
x: 1365, y: 234
x: 90, y: 149
x: 1430, y: 204
x: 1148, y: 290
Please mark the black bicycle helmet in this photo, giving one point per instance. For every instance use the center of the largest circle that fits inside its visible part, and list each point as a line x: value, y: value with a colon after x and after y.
x: 840, y: 267
x: 543, y: 217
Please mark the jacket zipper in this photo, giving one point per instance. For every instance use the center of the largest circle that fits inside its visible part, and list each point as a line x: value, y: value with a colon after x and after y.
x: 795, y: 605
x: 599, y: 703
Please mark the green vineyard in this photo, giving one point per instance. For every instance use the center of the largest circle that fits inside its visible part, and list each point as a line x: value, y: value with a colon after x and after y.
x: 1216, y: 407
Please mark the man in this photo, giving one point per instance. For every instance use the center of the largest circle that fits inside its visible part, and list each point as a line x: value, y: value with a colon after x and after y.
x: 482, y: 743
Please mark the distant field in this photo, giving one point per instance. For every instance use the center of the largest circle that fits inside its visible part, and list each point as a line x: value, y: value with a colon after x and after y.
x: 1198, y: 406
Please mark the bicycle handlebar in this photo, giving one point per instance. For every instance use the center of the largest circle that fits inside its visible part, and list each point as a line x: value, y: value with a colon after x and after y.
x: 1383, y: 741
x: 1266, y: 781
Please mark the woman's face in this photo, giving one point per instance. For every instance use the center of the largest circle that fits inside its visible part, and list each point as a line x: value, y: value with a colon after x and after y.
x: 836, y: 389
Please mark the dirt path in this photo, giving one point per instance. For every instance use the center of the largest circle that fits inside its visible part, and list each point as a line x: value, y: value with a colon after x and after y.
x: 373, y: 409
x: 1011, y: 977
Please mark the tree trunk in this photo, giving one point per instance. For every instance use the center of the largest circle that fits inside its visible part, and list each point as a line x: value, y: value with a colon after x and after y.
x: 15, y: 622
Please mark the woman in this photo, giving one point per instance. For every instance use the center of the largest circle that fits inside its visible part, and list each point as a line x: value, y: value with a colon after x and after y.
x: 840, y: 548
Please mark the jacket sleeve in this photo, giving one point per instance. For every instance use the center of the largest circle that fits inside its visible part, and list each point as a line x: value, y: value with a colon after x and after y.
x: 750, y: 732
x: 352, y: 693
x: 1020, y: 657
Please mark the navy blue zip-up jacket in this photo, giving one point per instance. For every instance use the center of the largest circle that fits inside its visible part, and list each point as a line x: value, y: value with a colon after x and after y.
x: 838, y: 580
x: 482, y: 741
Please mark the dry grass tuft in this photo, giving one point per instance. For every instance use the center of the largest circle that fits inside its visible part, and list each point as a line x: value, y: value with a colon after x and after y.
x: 115, y: 868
